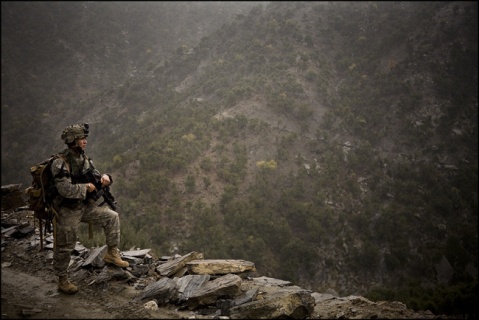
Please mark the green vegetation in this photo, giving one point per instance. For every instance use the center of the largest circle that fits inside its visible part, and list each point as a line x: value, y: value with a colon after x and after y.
x: 459, y: 299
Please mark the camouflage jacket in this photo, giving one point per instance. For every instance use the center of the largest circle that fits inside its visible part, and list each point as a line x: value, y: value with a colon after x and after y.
x: 66, y: 172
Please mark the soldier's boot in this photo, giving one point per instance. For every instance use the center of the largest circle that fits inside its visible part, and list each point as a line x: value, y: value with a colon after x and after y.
x: 112, y: 255
x: 65, y: 286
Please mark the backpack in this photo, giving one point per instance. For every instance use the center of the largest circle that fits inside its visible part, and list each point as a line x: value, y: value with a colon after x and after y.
x: 41, y: 194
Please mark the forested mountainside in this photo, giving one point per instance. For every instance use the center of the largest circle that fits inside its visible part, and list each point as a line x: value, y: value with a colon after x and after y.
x: 332, y: 143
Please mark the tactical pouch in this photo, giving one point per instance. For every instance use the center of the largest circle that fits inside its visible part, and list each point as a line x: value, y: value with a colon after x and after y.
x: 35, y: 201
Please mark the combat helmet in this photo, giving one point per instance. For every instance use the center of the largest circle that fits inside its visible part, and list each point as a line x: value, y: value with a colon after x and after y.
x: 75, y: 131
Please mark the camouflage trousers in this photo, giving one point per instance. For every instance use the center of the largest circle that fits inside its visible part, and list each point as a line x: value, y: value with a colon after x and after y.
x: 67, y: 225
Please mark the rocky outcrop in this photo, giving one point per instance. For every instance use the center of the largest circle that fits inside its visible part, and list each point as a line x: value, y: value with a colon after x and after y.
x: 225, y: 285
x: 226, y: 288
x: 12, y: 197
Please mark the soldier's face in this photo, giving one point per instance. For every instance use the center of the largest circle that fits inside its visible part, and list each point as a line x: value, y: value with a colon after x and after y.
x: 81, y: 142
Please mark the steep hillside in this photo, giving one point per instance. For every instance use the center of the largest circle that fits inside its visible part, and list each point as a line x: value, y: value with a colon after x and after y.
x: 59, y: 58
x: 334, y: 144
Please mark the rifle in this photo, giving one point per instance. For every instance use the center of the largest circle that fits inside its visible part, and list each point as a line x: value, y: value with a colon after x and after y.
x: 101, y: 191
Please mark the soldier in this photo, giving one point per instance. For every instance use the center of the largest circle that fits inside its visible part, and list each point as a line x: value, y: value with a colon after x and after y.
x: 74, y: 205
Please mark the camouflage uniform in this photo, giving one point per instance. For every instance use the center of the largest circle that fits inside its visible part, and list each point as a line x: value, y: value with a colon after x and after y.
x: 73, y: 209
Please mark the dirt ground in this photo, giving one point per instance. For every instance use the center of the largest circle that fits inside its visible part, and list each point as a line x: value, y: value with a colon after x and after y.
x: 29, y: 293
x: 29, y: 289
x: 33, y: 294
x: 36, y: 297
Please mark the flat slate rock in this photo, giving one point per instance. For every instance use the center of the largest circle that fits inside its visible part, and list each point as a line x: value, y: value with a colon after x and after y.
x: 188, y: 284
x: 281, y: 304
x: 136, y: 253
x: 171, y: 267
x: 209, y: 266
x: 163, y: 291
x: 95, y: 257
x: 226, y: 286
x: 271, y: 281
